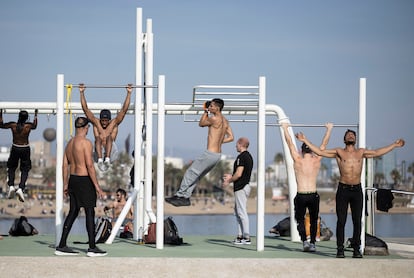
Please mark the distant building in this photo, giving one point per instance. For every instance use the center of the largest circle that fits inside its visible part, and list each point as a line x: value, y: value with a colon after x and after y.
x: 176, y: 162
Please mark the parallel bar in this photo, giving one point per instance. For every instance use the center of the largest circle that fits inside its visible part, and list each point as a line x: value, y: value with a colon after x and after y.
x: 315, y: 125
x: 224, y: 87
x: 112, y: 86
x: 228, y: 93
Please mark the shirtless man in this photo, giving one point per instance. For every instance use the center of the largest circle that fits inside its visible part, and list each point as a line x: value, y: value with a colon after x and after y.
x: 306, y: 171
x: 20, y: 150
x: 105, y: 129
x: 81, y: 185
x: 350, y: 161
x: 219, y: 132
x: 117, y: 207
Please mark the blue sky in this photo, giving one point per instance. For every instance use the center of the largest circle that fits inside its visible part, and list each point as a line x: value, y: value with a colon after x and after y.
x: 311, y: 52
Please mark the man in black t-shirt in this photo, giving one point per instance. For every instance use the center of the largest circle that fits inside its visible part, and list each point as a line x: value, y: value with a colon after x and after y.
x: 242, y: 171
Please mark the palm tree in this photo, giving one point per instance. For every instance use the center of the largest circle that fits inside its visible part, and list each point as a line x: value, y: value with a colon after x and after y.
x: 396, y: 176
x: 49, y: 175
x: 279, y: 158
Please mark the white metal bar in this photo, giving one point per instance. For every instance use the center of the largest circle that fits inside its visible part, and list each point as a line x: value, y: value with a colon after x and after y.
x: 224, y: 87
x: 111, y: 86
x: 160, y: 165
x: 149, y: 216
x: 227, y: 93
x: 362, y: 144
x: 261, y: 151
x: 59, y: 157
x: 138, y: 207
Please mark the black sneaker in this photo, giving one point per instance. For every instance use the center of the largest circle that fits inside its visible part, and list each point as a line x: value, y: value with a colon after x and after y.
x: 65, y: 251
x: 96, y: 252
x: 357, y: 254
x: 340, y: 253
x: 178, y: 201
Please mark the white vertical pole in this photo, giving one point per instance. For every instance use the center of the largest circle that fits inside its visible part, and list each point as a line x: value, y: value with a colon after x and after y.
x: 370, y: 182
x: 261, y: 149
x: 138, y: 216
x: 148, y: 112
x: 160, y: 162
x: 362, y: 144
x: 60, y: 91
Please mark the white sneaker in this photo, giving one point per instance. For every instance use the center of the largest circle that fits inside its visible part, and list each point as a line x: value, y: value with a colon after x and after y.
x: 306, y: 246
x: 107, y: 163
x: 10, y: 193
x: 101, y: 164
x: 20, y: 195
x: 312, y: 247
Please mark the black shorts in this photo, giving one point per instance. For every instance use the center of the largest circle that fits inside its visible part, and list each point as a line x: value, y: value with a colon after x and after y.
x: 82, y: 190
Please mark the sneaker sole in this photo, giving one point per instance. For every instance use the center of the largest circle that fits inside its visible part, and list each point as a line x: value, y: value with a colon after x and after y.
x: 60, y: 253
x: 91, y: 254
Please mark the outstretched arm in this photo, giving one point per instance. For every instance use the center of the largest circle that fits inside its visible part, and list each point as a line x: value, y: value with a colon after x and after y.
x: 326, y: 153
x: 292, y: 148
x: 381, y: 151
x: 120, y: 116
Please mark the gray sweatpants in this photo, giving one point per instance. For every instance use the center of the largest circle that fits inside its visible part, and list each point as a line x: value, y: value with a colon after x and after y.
x: 240, y: 210
x: 200, y: 167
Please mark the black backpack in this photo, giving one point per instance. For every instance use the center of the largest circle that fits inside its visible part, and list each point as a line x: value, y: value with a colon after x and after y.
x: 103, y: 228
x: 21, y: 227
x: 171, y: 232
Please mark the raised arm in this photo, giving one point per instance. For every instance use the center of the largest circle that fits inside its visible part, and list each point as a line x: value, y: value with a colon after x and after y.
x: 327, y: 135
x: 326, y: 153
x: 381, y: 151
x: 85, y: 108
x: 292, y: 148
x: 120, y: 116
x: 34, y: 125
x: 1, y: 118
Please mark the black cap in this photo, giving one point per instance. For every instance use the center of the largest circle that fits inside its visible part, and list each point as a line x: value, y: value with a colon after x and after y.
x: 105, y: 114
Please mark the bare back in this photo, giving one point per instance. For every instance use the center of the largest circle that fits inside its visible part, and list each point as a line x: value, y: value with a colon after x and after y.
x: 216, y: 133
x: 20, y: 135
x: 306, y: 172
x: 79, y: 153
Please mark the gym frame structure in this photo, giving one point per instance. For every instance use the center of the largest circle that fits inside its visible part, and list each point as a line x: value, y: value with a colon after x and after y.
x: 242, y: 104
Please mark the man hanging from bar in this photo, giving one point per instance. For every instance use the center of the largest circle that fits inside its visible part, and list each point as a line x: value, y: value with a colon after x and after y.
x: 105, y: 129
x: 20, y: 150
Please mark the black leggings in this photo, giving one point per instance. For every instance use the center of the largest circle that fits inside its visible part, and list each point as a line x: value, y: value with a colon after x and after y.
x: 90, y: 223
x: 311, y: 202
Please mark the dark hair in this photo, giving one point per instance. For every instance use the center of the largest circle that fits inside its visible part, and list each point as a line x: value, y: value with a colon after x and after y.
x: 219, y: 102
x: 81, y: 122
x: 123, y: 192
x: 305, y: 149
x: 349, y: 130
x: 23, y: 116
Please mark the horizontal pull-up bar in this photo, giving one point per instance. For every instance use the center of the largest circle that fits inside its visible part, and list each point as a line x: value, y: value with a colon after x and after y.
x: 224, y: 87
x: 315, y: 125
x: 227, y: 93
x: 111, y: 86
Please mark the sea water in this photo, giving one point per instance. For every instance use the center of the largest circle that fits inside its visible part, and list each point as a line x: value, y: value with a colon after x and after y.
x: 386, y: 225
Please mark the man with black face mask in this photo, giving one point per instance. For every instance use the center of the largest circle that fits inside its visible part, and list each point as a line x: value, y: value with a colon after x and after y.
x: 349, y: 192
x: 20, y: 150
